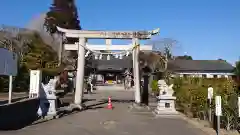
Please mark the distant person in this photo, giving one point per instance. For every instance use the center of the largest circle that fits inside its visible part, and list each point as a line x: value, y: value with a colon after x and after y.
x: 89, y: 85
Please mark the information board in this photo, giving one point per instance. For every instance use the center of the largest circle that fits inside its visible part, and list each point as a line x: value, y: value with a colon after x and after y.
x: 8, y: 62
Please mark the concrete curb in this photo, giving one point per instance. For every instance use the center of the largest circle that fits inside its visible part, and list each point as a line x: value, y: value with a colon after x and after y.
x: 207, y: 130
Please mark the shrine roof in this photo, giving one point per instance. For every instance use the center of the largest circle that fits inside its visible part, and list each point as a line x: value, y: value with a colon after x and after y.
x: 200, y: 65
x: 113, y: 63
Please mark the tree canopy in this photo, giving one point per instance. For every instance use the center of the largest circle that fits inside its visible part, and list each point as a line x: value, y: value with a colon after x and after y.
x: 237, y: 69
x: 63, y: 13
x: 33, y: 54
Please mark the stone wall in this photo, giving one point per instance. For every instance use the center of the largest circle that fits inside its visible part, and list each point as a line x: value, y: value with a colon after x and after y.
x: 19, y: 114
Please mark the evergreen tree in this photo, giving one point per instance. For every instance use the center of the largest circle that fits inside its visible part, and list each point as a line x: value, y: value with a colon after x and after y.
x: 63, y: 13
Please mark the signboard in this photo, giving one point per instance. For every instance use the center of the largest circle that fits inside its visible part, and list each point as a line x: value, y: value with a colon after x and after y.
x: 35, y: 81
x: 210, y: 93
x: 108, y: 34
x: 218, y: 106
x: 8, y: 62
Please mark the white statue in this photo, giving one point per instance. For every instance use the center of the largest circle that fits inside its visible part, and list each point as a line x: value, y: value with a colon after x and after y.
x: 162, y: 85
x: 48, y: 96
x: 170, y: 91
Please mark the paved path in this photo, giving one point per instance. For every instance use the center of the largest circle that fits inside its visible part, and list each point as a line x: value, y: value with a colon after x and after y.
x: 99, y: 121
x: 15, y: 97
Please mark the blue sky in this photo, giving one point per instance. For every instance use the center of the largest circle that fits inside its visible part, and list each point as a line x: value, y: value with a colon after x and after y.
x: 205, y: 29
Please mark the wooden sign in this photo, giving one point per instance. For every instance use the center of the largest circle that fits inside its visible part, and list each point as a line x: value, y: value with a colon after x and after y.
x: 218, y: 106
x: 108, y: 34
x: 35, y: 82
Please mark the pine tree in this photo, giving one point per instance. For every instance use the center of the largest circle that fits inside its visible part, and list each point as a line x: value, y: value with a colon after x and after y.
x: 63, y: 13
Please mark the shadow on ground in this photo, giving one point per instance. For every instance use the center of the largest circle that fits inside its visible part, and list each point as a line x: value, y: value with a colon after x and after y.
x: 119, y: 100
x: 19, y: 114
x: 99, y: 104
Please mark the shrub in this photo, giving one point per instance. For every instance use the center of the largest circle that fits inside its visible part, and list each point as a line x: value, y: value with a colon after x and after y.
x: 154, y: 86
x: 191, y: 99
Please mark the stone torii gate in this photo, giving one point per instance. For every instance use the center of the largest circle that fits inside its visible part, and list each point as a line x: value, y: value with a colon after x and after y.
x: 80, y: 46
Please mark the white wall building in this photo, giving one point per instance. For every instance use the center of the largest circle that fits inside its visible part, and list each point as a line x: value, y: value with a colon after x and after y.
x: 201, y: 68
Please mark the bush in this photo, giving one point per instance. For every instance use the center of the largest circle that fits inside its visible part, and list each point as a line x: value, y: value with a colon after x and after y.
x: 191, y: 99
x: 154, y: 86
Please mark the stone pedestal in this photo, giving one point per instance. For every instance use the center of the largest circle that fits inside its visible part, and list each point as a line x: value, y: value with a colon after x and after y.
x: 166, y: 102
x: 166, y: 106
x: 48, y: 99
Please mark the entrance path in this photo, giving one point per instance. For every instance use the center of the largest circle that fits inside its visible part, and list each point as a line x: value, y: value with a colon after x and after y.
x: 98, y: 120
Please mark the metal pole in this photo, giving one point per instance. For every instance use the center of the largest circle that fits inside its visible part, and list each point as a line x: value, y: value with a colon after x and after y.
x: 210, y: 111
x: 10, y: 89
x: 218, y: 111
x: 218, y: 124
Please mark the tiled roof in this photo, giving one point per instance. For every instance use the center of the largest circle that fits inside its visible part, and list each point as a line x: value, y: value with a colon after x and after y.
x: 113, y: 63
x: 173, y: 65
x: 200, y: 65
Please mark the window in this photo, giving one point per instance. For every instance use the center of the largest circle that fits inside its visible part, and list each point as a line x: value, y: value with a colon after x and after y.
x: 185, y: 75
x: 215, y: 76
x: 167, y: 105
x: 204, y: 76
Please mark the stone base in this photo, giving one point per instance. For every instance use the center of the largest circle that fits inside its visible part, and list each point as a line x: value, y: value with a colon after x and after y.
x: 166, y: 113
x: 136, y: 107
x: 79, y: 107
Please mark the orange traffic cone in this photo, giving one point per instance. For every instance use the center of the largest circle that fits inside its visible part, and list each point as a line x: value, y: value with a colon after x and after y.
x: 109, y: 103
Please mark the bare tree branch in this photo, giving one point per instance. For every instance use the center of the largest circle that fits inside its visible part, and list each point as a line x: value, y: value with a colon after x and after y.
x: 158, y: 59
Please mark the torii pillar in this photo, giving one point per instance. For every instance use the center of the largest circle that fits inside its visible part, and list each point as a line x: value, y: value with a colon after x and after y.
x: 135, y: 55
x: 80, y: 73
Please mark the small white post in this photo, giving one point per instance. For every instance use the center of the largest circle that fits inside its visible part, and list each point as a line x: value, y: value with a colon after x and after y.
x: 10, y: 89
x: 80, y: 72
x: 210, y: 96
x: 218, y: 111
x: 136, y: 71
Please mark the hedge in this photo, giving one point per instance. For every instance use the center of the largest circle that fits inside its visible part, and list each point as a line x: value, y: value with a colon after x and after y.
x: 191, y: 99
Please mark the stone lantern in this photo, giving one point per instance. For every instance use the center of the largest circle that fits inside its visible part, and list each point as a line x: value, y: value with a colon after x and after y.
x: 166, y: 100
